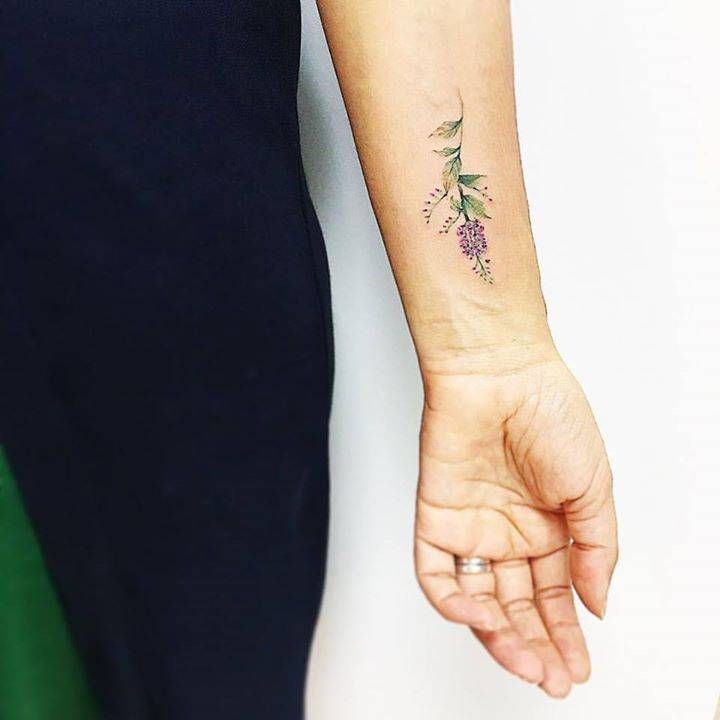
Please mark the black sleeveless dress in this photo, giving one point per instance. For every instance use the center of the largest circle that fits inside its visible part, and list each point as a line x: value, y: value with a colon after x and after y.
x: 165, y: 345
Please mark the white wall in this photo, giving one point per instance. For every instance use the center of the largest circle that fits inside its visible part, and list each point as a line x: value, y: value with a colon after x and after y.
x: 619, y: 117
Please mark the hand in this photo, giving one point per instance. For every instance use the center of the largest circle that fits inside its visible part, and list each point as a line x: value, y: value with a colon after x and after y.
x: 513, y: 469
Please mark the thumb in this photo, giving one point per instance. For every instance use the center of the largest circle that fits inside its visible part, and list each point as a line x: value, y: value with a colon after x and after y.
x: 594, y: 550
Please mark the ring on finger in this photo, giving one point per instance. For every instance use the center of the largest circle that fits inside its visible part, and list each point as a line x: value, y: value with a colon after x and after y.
x: 472, y: 565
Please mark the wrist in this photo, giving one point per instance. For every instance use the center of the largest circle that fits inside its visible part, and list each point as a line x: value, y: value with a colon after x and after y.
x: 470, y: 337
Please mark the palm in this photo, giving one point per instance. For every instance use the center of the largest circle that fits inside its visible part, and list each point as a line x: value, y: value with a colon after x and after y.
x: 511, y: 467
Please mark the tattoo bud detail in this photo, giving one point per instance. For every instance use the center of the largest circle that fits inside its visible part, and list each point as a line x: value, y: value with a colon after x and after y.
x: 473, y: 245
x: 472, y: 239
x: 435, y: 197
x: 465, y: 197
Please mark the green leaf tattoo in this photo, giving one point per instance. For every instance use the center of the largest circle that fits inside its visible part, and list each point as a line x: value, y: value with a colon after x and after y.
x: 473, y: 206
x: 451, y: 172
x: 446, y: 151
x: 448, y: 129
x: 467, y: 200
x: 472, y: 181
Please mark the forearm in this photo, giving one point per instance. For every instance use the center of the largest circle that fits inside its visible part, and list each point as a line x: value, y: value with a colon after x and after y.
x: 406, y: 68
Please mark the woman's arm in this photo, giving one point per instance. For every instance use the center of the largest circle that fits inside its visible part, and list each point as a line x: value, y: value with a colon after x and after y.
x: 512, y: 466
x: 406, y: 68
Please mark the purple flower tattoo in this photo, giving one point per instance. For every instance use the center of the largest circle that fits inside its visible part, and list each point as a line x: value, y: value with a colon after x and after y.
x: 466, y: 198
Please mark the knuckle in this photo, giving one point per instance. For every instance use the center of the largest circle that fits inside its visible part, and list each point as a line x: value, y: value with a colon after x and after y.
x: 554, y: 591
x: 518, y: 605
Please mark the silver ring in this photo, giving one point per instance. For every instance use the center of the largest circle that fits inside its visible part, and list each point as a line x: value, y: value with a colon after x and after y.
x: 472, y: 565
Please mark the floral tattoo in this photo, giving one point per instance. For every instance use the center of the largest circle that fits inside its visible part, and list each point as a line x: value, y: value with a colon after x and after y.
x: 466, y: 197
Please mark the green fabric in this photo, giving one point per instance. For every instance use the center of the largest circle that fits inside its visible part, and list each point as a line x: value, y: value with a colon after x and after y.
x: 41, y: 677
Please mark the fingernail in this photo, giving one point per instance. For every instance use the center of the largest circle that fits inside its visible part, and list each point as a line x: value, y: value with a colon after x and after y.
x: 605, y: 600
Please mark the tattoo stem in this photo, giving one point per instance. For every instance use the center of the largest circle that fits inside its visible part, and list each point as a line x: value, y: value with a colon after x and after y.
x: 434, y: 205
x: 460, y: 139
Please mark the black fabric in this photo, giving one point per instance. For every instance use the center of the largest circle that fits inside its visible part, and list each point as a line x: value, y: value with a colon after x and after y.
x: 166, y: 350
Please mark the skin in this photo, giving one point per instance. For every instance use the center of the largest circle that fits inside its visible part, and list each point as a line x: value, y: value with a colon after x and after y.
x: 512, y: 465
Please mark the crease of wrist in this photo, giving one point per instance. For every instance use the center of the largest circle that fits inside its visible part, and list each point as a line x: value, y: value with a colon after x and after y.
x: 456, y: 317
x: 488, y: 358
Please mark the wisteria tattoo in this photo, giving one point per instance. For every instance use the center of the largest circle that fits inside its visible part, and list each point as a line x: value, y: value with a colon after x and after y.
x: 466, y: 198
